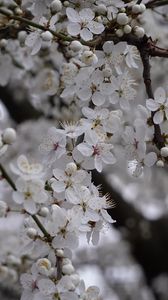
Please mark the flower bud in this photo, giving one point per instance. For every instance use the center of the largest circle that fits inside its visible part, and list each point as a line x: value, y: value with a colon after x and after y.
x: 101, y: 9
x: 22, y: 36
x: 143, y: 7
x: 44, y: 211
x: 43, y: 266
x: 119, y: 32
x: 160, y: 163
x: 3, y: 43
x: 60, y: 253
x: 9, y: 136
x: 136, y: 9
x: 164, y: 151
x: 139, y: 31
x: 68, y: 269
x: 89, y: 58
x: 76, y: 46
x: 56, y: 6
x: 122, y: 19
x: 127, y: 29
x: 32, y: 233
x: 47, y: 36
x: 71, y: 168
x: 18, y: 11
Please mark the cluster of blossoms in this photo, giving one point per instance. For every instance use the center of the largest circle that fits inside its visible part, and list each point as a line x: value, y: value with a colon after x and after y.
x: 58, y: 196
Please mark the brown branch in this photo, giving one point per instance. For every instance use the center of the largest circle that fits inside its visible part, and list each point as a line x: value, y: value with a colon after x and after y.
x: 144, y: 50
x: 156, y: 3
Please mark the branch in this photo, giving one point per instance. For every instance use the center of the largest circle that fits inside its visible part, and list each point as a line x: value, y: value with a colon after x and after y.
x: 144, y: 53
x: 156, y: 3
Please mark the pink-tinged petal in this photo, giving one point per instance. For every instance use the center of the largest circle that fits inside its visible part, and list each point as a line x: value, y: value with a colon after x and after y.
x: 98, y: 163
x: 95, y: 27
x: 150, y: 159
x: 72, y: 15
x: 152, y: 105
x: 158, y: 117
x: 86, y: 34
x: 160, y: 95
x: 30, y: 206
x: 58, y: 186
x: 85, y: 149
x: 73, y: 29
x: 87, y: 14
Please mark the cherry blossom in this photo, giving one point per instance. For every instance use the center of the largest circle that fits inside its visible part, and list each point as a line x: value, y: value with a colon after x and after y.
x: 30, y: 193
x: 99, y: 151
x: 53, y: 145
x: 159, y: 105
x: 82, y: 23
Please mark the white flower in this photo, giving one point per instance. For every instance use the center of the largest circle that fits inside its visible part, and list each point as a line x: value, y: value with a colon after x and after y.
x: 95, y: 88
x: 67, y: 181
x: 159, y: 105
x: 29, y: 284
x: 124, y: 92
x: 100, y: 152
x: 30, y: 193
x: 72, y: 129
x: 49, y: 290
x: 136, y: 167
x: 63, y: 226
x: 114, y: 54
x: 112, y: 6
x: 53, y: 146
x: 82, y: 23
x: 92, y: 292
x: 131, y: 55
x: 82, y: 199
x: 27, y: 170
